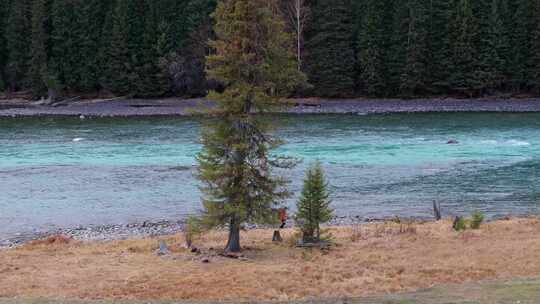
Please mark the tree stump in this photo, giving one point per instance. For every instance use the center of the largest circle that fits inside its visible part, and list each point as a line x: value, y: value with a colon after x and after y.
x: 277, y: 237
x: 437, y: 210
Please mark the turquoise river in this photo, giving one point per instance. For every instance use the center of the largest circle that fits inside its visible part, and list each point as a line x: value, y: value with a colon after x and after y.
x: 68, y: 172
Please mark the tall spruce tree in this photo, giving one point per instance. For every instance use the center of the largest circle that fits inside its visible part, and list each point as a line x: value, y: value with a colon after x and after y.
x: 40, y: 37
x: 153, y: 81
x: 252, y: 57
x: 64, y: 59
x: 118, y: 62
x: 490, y: 72
x: 4, y: 8
x: 105, y: 42
x: 185, y: 65
x: 464, y: 42
x: 408, y: 74
x: 330, y: 58
x: 18, y: 41
x: 534, y: 49
x: 399, y: 42
x: 90, y: 16
x: 200, y: 30
x: 136, y: 27
x: 439, y: 55
x: 518, y: 36
x: 373, y: 46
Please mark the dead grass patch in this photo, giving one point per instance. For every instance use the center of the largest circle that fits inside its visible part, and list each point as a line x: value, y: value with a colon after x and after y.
x: 368, y: 259
x: 51, y: 240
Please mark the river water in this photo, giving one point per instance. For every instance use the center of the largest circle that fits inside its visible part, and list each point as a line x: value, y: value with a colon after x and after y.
x: 67, y: 172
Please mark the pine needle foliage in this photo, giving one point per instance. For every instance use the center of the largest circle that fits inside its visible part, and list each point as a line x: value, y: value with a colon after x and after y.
x: 314, y: 204
x: 252, y: 56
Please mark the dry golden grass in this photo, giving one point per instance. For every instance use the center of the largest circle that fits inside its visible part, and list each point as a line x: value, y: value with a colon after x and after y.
x: 368, y: 259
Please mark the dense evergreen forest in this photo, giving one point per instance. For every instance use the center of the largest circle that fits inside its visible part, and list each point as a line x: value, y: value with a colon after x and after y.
x: 383, y: 48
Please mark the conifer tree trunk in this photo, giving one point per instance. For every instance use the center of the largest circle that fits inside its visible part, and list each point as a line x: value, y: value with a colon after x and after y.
x: 233, y: 244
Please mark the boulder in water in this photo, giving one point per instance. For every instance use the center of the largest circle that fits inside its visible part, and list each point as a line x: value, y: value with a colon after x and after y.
x: 452, y: 142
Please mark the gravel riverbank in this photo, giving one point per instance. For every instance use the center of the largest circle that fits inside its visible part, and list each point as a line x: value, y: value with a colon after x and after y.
x: 147, y: 229
x: 185, y: 107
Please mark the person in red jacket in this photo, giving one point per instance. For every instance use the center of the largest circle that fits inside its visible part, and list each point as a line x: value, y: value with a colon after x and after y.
x: 283, y: 217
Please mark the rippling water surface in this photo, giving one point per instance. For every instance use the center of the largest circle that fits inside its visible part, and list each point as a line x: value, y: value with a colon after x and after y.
x: 65, y: 172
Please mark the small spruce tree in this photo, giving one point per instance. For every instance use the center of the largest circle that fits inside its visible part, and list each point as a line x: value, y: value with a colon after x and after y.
x: 314, y: 204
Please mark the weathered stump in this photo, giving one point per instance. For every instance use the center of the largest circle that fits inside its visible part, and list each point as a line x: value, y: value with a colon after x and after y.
x: 277, y: 237
x: 437, y: 210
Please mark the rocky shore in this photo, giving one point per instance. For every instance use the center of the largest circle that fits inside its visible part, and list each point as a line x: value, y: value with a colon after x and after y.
x: 185, y: 107
x: 151, y: 229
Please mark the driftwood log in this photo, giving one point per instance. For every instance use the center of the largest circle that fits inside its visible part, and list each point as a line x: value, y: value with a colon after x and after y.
x: 65, y: 102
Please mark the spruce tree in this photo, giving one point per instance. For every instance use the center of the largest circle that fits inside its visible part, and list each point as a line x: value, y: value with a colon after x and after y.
x: 330, y: 58
x: 90, y: 16
x: 533, y: 71
x: 64, y: 59
x: 175, y: 13
x: 153, y: 81
x: 398, y: 52
x: 518, y: 37
x: 18, y: 42
x: 314, y: 204
x: 439, y: 55
x: 252, y: 56
x: 4, y: 8
x: 105, y: 42
x: 372, y: 45
x: 200, y: 28
x: 40, y: 33
x: 464, y: 51
x: 185, y: 65
x: 408, y: 74
x: 118, y: 63
x: 490, y: 72
x: 136, y: 18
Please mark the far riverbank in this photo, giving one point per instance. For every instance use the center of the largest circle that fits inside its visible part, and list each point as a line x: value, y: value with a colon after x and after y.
x: 187, y: 107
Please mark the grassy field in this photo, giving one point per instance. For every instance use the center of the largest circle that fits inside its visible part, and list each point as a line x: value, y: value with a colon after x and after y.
x: 372, y: 260
x: 510, y: 292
